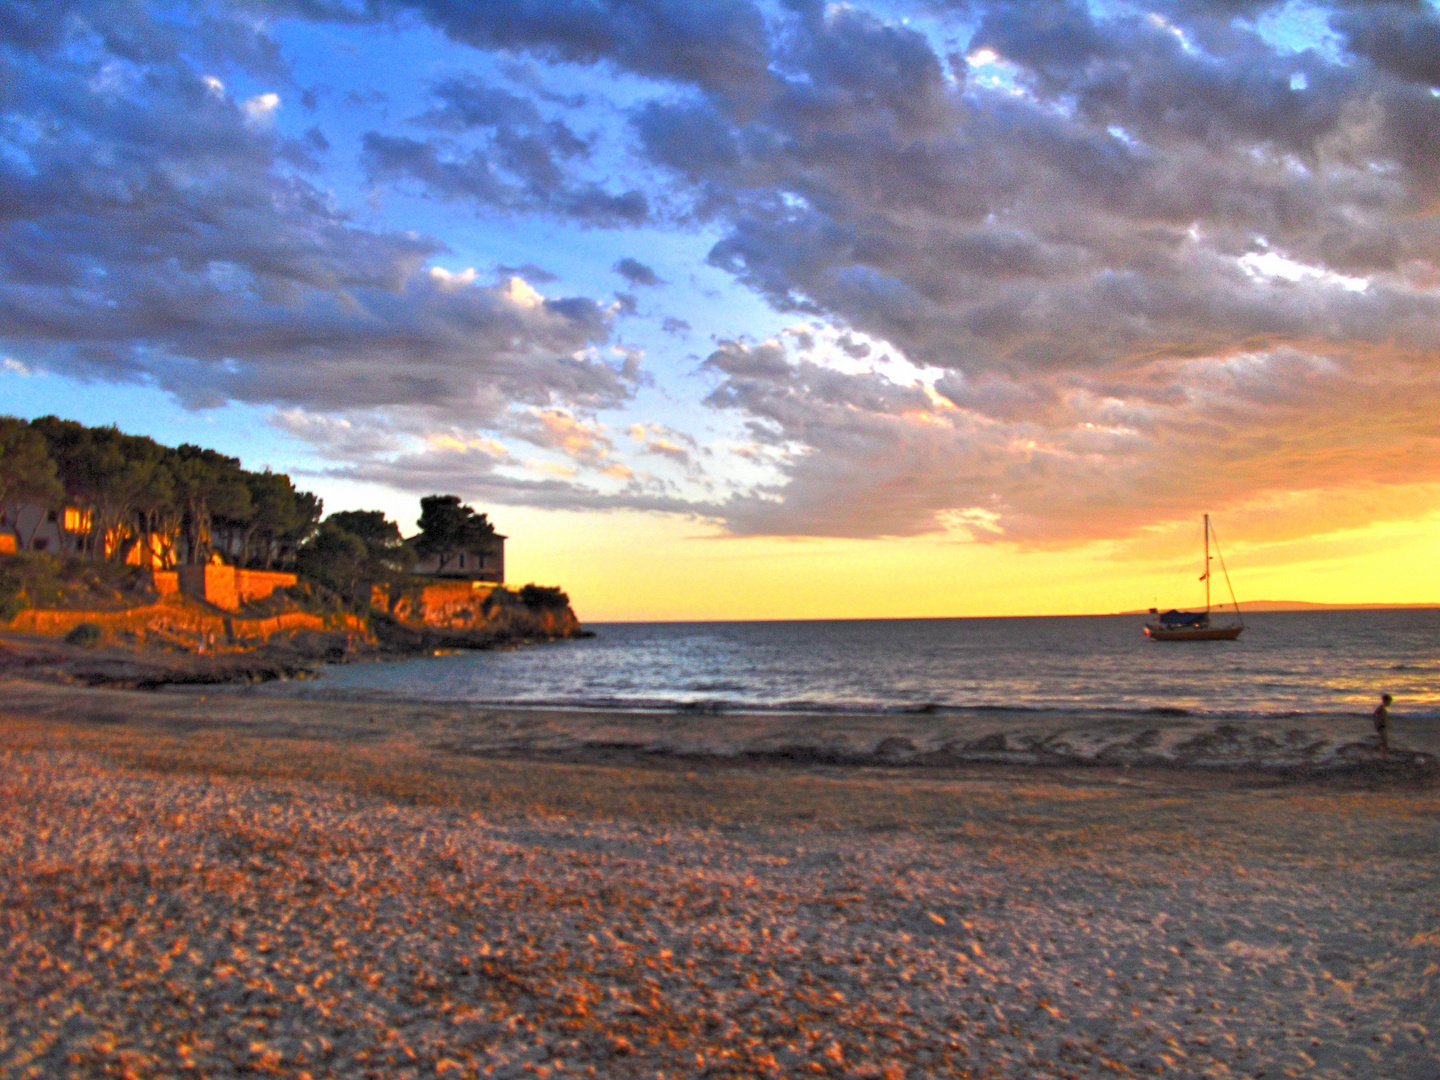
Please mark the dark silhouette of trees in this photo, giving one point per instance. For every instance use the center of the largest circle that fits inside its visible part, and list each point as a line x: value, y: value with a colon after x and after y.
x: 354, y: 551
x: 27, y: 472
x: 338, y: 560
x: 449, y: 527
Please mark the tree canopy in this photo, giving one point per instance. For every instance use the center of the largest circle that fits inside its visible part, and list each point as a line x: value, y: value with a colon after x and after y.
x: 449, y: 527
x: 27, y: 472
x: 158, y: 506
x: 172, y: 504
x: 353, y: 552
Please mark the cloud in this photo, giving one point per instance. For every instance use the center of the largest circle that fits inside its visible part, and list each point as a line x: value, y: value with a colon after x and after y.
x: 259, y: 109
x: 482, y: 176
x: 1117, y: 262
x: 667, y: 449
x: 637, y: 273
x: 528, y: 272
x: 474, y: 475
x: 996, y: 229
x: 584, y: 441
x: 719, y: 43
x: 1401, y: 38
x: 150, y: 230
x: 1137, y: 198
x: 1065, y: 458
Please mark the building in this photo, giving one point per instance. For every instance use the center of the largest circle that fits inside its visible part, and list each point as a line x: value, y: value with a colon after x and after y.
x: 483, y: 562
x: 37, y: 528
x: 69, y: 531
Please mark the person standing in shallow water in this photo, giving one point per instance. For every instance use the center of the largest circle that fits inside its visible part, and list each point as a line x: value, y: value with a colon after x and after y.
x: 1382, y: 723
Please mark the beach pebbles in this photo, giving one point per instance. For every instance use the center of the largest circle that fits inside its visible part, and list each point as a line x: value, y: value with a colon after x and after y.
x: 173, y: 926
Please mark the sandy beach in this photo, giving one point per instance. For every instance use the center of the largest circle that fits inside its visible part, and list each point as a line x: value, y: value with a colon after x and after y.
x: 234, y: 883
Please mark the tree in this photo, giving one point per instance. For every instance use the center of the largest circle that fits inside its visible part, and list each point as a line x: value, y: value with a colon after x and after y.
x: 159, y: 515
x: 381, y: 536
x: 308, y: 508
x: 208, y: 485
x: 449, y: 527
x: 135, y: 492
x: 371, y: 526
x: 336, y: 559
x: 105, y: 473
x: 27, y: 472
x: 276, y: 511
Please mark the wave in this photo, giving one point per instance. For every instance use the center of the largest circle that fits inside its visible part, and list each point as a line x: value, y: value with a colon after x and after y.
x: 687, y: 706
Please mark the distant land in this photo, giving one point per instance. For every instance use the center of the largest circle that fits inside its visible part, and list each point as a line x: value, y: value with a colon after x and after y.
x: 1298, y: 605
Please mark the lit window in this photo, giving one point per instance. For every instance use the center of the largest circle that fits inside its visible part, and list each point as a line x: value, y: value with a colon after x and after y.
x: 76, y: 520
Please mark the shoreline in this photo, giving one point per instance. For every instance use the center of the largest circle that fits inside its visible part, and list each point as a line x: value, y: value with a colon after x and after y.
x: 1298, y: 747
x: 745, y: 710
x: 38, y: 657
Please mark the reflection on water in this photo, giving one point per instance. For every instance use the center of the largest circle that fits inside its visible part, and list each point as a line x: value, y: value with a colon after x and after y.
x: 1334, y: 661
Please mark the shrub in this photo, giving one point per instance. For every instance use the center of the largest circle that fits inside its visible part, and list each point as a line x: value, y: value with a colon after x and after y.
x: 544, y: 597
x: 85, y: 634
x: 35, y: 580
x: 26, y: 581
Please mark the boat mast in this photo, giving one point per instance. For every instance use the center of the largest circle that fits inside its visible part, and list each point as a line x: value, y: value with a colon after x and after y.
x: 1207, y: 564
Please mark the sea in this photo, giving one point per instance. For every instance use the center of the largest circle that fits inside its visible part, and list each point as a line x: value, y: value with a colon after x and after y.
x: 1285, y: 663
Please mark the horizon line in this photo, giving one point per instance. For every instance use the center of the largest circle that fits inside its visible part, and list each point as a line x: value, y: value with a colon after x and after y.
x: 1270, y: 607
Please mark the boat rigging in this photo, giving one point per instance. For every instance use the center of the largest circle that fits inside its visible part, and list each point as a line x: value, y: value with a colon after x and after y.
x: 1196, y: 625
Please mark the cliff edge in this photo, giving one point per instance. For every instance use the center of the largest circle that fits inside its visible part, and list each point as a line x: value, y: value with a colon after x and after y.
x: 469, y: 615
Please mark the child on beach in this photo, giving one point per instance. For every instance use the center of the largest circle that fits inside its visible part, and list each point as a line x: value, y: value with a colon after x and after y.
x: 1382, y: 723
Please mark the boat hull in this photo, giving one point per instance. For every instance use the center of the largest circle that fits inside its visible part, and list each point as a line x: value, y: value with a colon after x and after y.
x: 1210, y: 633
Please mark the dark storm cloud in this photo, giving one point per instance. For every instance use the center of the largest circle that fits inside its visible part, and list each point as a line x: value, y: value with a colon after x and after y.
x: 1402, y: 38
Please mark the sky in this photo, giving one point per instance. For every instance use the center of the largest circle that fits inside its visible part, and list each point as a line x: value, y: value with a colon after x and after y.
x: 742, y: 309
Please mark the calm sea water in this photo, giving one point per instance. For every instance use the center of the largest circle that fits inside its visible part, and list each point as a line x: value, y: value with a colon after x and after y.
x: 1284, y: 663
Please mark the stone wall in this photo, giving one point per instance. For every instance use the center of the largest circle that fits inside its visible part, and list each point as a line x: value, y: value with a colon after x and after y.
x: 225, y: 586
x: 180, y: 622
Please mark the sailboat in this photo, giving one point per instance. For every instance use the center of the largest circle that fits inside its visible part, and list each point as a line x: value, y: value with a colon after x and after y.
x: 1196, y: 625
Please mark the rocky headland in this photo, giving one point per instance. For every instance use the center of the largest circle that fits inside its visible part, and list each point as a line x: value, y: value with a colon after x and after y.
x: 214, y: 624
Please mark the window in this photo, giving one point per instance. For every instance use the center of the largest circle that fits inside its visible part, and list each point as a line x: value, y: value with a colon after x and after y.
x: 462, y: 561
x: 39, y: 544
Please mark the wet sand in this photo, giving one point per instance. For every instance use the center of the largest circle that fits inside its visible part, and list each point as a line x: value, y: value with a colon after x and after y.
x: 254, y: 884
